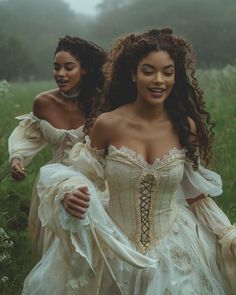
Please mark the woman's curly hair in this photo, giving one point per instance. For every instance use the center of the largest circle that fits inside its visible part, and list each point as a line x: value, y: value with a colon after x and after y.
x: 186, y: 98
x: 91, y: 58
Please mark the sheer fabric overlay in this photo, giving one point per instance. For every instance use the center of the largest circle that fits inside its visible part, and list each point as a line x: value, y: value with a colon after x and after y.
x: 145, y: 241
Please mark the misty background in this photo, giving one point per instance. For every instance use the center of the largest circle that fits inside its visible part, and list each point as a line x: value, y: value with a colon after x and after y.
x: 29, y: 29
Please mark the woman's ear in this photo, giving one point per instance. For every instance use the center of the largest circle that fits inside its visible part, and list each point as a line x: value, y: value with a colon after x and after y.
x: 133, y: 75
x: 84, y: 71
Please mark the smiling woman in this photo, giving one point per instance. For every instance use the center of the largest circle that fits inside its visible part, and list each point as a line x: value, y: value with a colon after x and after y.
x: 57, y: 118
x: 159, y: 232
x: 155, y: 74
x: 67, y: 73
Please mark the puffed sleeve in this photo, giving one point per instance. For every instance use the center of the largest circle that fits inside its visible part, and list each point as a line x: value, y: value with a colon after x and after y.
x: 195, y: 183
x: 90, y: 161
x: 204, y: 181
x: 26, y: 139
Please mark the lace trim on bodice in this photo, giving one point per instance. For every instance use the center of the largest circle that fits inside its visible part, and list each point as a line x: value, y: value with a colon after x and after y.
x: 139, y: 159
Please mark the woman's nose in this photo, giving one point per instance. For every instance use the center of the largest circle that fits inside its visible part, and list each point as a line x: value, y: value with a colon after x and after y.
x: 158, y: 78
x: 61, y: 72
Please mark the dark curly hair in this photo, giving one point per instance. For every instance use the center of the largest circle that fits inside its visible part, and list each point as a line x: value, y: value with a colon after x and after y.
x: 186, y: 98
x: 91, y: 58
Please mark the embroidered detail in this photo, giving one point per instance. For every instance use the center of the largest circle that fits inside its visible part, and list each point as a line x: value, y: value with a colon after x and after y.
x: 182, y: 260
x: 206, y: 287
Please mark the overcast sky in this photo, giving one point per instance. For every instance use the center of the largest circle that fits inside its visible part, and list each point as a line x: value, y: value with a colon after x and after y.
x: 84, y: 6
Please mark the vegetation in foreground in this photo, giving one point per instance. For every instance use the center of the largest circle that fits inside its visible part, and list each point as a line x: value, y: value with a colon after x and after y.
x: 15, y: 248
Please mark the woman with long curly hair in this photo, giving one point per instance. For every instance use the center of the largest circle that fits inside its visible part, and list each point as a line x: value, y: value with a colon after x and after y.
x: 58, y: 117
x: 158, y: 231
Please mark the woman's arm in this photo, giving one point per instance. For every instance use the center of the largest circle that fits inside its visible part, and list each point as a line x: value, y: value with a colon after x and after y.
x: 77, y: 202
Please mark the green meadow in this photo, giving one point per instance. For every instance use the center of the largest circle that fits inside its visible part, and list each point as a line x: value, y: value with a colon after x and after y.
x: 219, y: 86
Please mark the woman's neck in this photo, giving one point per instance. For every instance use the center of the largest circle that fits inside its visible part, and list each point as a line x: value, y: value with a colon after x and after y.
x: 150, y: 112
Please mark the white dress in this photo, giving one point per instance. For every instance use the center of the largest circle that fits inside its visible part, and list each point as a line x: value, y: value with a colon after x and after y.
x: 30, y: 137
x: 144, y: 240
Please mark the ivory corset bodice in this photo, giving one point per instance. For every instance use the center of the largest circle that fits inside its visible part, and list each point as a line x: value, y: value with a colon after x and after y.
x: 142, y: 196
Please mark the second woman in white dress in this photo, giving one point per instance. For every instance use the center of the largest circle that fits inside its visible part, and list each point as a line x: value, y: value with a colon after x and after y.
x: 57, y: 118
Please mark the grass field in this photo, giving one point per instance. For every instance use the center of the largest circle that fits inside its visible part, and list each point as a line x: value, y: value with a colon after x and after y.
x: 220, y: 93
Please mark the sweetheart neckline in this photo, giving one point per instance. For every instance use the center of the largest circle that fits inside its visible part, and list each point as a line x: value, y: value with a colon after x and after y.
x: 133, y: 155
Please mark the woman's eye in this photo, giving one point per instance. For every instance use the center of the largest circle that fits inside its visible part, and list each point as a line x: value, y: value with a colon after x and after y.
x: 69, y: 67
x: 148, y: 72
x: 168, y: 74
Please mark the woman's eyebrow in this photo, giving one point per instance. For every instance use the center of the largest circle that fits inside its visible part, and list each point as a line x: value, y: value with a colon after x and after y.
x: 66, y: 63
x: 153, y: 67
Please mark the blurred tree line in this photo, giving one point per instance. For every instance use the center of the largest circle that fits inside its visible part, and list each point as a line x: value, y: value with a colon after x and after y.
x: 29, y: 30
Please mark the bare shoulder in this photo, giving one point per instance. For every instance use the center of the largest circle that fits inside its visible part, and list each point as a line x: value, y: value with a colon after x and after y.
x: 107, y: 120
x: 103, y: 129
x: 43, y: 103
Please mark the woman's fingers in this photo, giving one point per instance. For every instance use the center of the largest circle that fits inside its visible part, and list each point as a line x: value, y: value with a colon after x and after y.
x: 76, y: 213
x: 71, y: 206
x: 80, y: 195
x: 17, y: 174
x: 17, y: 171
x: 77, y: 202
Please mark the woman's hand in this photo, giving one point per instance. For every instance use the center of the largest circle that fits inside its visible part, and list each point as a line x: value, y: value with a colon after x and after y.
x: 77, y: 202
x: 17, y: 169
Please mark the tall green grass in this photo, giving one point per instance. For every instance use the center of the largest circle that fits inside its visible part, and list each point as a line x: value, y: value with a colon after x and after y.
x: 15, y: 196
x: 220, y: 94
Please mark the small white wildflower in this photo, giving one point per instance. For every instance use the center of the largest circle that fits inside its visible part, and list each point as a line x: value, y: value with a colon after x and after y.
x: 4, y: 87
x: 8, y: 244
x: 4, y: 279
x: 3, y: 258
x: 3, y: 233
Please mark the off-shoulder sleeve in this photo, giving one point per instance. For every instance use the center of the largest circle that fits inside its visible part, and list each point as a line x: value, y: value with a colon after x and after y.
x: 195, y: 183
x: 26, y: 139
x: 90, y: 161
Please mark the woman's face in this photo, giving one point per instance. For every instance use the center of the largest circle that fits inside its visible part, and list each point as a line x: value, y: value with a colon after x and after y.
x: 67, y: 71
x: 155, y: 77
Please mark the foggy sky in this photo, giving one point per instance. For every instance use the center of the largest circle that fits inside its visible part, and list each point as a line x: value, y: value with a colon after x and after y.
x: 84, y: 6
